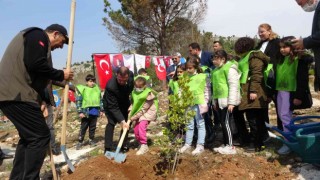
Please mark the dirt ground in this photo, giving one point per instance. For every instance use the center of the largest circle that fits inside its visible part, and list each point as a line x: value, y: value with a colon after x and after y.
x: 206, y: 166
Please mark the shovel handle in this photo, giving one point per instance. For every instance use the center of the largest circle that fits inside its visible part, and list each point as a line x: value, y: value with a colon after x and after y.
x: 66, y: 88
x: 53, y: 167
x: 123, y: 136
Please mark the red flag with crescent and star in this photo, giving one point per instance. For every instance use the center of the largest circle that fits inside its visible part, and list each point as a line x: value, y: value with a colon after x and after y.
x: 160, y: 67
x: 104, y: 68
x: 148, y: 61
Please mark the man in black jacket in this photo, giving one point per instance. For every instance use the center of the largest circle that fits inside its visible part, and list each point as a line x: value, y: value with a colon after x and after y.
x: 116, y: 102
x: 25, y: 71
x: 312, y: 41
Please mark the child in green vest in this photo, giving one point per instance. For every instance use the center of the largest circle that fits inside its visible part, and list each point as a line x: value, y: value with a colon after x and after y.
x: 143, y: 72
x: 173, y: 83
x: 200, y: 88
x: 292, y: 84
x: 226, y: 95
x: 142, y: 111
x: 88, y: 106
x: 252, y: 65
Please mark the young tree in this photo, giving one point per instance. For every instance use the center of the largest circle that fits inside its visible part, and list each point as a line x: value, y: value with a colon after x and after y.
x: 150, y: 25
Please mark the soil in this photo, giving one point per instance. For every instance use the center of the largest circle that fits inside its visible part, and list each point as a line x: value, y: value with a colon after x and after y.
x: 206, y: 166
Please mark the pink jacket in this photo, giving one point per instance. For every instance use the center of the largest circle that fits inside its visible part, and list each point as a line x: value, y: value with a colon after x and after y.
x: 148, y: 111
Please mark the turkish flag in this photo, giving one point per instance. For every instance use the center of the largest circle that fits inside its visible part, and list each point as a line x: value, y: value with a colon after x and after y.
x: 148, y: 61
x: 71, y: 96
x: 160, y: 67
x: 167, y: 60
x: 116, y: 61
x: 104, y: 68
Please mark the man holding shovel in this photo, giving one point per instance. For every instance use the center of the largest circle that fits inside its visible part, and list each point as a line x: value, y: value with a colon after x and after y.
x: 25, y: 71
x: 116, y: 103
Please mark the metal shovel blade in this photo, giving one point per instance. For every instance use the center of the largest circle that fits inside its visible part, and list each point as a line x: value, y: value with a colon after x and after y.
x: 117, y: 156
x: 110, y: 155
x: 120, y: 158
x: 70, y: 165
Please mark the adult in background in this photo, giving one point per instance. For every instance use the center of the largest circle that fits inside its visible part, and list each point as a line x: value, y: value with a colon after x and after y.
x: 25, y: 72
x: 312, y: 41
x: 205, y: 57
x: 217, y: 45
x: 269, y: 45
x: 50, y: 106
x: 172, y: 68
x: 116, y: 103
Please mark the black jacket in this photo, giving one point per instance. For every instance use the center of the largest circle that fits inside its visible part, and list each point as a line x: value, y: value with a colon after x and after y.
x: 272, y: 50
x: 116, y: 100
x: 303, y: 91
x: 313, y: 42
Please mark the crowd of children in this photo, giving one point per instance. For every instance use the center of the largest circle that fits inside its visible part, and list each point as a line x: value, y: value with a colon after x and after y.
x: 239, y: 89
x: 236, y: 89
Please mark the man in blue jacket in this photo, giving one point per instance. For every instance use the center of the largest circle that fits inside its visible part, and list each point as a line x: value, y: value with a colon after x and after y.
x: 205, y: 57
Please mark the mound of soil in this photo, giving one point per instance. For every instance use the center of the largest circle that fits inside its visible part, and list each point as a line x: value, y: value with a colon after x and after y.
x: 206, y: 166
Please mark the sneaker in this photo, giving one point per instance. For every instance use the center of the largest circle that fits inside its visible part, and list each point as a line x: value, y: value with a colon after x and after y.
x: 284, y: 150
x: 227, y: 150
x: 199, y: 149
x: 143, y: 149
x: 92, y: 143
x: 217, y: 149
x: 79, y: 145
x: 184, y: 148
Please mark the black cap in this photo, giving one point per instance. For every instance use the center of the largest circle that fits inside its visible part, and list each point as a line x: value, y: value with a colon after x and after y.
x: 61, y: 29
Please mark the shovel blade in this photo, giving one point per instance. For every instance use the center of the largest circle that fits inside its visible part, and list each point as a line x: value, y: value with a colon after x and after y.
x: 117, y: 156
x: 110, y: 155
x: 120, y: 158
x: 70, y: 165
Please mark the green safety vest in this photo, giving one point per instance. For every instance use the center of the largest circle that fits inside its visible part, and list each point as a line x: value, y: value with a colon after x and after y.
x: 286, y: 75
x: 139, y: 98
x: 196, y: 86
x: 174, y: 86
x: 204, y: 68
x: 90, y: 96
x: 244, y: 68
x: 219, y: 80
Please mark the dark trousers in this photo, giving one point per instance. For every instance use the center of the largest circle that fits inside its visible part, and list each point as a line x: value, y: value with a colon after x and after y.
x: 243, y: 133
x: 209, y: 126
x: 225, y: 125
x: 34, y: 138
x: 109, y: 134
x: 88, y: 122
x: 257, y: 126
x: 266, y: 119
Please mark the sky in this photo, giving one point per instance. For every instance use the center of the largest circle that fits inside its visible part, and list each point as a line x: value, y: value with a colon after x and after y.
x: 226, y: 18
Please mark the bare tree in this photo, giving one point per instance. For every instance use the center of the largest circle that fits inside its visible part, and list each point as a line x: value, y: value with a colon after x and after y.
x: 152, y: 25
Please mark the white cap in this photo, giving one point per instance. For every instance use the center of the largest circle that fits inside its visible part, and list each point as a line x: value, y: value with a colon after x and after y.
x: 177, y: 54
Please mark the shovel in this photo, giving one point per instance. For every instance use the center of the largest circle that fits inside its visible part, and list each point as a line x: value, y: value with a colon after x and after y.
x: 66, y: 89
x: 53, y: 167
x: 117, y: 156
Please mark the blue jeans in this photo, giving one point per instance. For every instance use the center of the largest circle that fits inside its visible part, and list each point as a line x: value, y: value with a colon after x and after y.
x: 198, y: 119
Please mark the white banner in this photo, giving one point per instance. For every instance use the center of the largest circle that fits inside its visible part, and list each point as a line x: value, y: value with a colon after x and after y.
x: 128, y: 60
x: 140, y: 61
